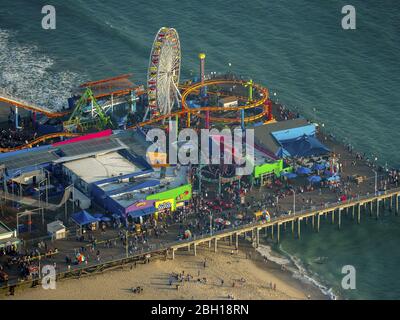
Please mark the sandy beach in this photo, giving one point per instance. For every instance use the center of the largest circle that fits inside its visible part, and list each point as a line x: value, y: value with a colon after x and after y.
x: 154, y: 278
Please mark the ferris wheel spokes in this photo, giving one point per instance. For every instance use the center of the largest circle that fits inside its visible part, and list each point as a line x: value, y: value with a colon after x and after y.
x: 163, y: 73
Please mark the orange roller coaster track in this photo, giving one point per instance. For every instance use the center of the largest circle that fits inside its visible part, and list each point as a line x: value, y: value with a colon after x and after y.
x: 32, y: 143
x: 186, y: 110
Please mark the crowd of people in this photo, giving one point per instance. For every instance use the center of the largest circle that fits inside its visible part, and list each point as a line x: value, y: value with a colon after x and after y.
x: 10, y: 138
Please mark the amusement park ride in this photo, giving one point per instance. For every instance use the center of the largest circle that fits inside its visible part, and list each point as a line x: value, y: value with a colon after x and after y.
x: 95, y: 105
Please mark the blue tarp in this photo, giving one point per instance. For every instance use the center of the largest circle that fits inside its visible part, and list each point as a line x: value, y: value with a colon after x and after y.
x: 83, y: 218
x: 304, y: 146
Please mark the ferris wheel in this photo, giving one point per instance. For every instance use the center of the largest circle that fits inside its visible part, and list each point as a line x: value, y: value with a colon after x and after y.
x: 163, y: 73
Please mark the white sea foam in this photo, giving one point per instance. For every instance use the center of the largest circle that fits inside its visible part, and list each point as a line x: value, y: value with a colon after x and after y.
x: 28, y: 74
x: 298, y: 270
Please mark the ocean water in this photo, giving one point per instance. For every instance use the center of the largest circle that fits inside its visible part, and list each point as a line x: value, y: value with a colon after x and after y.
x: 347, y: 80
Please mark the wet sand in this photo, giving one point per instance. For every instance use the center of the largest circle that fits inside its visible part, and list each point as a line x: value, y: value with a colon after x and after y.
x: 154, y: 279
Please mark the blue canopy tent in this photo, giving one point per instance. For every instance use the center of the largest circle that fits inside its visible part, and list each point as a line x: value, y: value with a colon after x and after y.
x: 289, y: 175
x: 303, y: 170
x: 314, y: 179
x: 101, y: 217
x: 142, y: 212
x: 304, y: 146
x: 83, y: 218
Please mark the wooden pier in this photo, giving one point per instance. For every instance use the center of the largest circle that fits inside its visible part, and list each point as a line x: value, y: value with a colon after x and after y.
x: 371, y: 204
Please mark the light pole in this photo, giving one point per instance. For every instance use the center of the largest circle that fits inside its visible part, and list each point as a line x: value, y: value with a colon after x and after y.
x: 294, y: 202
x: 126, y: 243
x: 210, y: 224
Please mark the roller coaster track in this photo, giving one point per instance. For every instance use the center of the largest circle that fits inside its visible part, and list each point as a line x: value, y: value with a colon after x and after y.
x: 4, y: 97
x: 186, y: 110
x: 32, y: 143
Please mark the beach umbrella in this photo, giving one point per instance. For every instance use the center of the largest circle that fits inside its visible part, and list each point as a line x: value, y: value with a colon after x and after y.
x: 303, y: 170
x: 188, y: 234
x: 219, y: 220
x: 227, y: 223
x: 318, y: 166
x: 314, y: 179
x: 334, y: 178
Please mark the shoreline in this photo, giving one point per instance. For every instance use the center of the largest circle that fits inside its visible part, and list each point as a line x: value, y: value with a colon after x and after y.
x: 296, y: 268
x: 154, y: 278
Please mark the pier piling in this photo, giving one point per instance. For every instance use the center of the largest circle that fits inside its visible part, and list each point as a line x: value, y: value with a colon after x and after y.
x: 377, y: 208
x: 278, y: 232
x: 298, y: 227
x: 390, y: 204
x: 258, y: 237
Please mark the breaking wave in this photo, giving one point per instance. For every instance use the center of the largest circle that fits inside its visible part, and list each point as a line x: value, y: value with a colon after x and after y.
x: 295, y: 266
x: 28, y: 74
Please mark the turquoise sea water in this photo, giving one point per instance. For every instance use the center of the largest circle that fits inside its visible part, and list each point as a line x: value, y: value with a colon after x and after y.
x: 296, y: 48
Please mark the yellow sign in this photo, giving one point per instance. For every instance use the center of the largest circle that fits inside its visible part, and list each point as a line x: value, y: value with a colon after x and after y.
x: 180, y: 204
x: 141, y: 204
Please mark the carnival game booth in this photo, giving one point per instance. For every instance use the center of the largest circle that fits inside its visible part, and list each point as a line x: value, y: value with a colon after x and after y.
x: 8, y: 237
x: 85, y: 220
x: 169, y: 200
x: 56, y: 230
